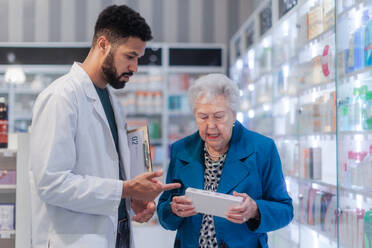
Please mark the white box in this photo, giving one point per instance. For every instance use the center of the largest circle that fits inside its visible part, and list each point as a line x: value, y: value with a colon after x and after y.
x: 212, y: 203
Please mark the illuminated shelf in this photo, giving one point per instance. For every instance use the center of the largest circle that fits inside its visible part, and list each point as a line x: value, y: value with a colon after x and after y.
x: 7, y: 189
x: 351, y: 75
x: 5, y: 234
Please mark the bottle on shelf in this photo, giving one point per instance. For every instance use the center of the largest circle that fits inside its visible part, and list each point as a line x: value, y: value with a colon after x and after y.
x: 356, y: 108
x: 3, y: 123
x: 367, y: 170
x: 368, y: 44
x: 359, y: 39
x: 158, y: 102
x: 368, y: 229
x: 367, y: 111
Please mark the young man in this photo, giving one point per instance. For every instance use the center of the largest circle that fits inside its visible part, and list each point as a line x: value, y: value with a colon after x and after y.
x: 81, y: 188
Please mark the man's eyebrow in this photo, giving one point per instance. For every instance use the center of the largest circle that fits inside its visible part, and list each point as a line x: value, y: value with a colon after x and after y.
x: 133, y: 53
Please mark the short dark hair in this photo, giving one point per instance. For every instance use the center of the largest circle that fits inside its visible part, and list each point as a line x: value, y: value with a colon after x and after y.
x: 117, y: 22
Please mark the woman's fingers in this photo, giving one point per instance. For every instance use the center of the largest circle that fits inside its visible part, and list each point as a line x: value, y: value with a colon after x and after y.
x: 236, y: 218
x: 182, y: 200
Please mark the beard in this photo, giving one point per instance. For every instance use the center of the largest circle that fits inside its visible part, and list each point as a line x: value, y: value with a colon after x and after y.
x: 110, y: 73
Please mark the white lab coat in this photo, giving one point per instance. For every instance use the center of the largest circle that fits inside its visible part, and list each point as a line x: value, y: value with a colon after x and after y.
x: 74, y: 166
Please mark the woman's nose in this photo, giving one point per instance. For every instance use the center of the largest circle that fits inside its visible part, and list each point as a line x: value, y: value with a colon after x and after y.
x: 211, y: 123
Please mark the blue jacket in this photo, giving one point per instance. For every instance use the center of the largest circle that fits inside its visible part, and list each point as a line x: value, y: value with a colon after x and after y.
x: 252, y: 166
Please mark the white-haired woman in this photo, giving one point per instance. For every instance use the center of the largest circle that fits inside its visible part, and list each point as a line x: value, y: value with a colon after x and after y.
x: 225, y: 157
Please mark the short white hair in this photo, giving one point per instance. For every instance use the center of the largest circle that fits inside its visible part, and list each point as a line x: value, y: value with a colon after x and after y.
x: 212, y: 85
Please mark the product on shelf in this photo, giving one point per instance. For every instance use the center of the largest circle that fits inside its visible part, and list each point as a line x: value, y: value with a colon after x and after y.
x: 368, y: 229
x: 8, y: 177
x: 367, y: 111
x: 7, y: 217
x: 314, y: 22
x: 285, y: 6
x: 368, y: 44
x: 3, y: 123
x: 355, y: 166
x: 312, y: 163
x: 179, y: 82
x: 367, y: 170
x: 265, y: 19
x: 328, y: 14
x: 352, y: 227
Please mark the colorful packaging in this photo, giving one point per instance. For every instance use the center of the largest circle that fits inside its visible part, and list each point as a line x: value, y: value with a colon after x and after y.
x: 359, y: 37
x: 368, y: 229
x: 368, y: 45
x: 3, y: 124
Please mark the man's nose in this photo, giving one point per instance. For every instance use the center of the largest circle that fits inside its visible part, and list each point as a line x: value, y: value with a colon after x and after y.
x: 133, y: 67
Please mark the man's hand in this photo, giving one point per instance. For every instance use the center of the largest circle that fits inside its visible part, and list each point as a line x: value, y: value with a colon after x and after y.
x: 143, y: 210
x: 146, y: 186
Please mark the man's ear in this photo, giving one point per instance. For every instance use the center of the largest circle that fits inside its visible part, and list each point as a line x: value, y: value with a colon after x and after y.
x: 103, y: 45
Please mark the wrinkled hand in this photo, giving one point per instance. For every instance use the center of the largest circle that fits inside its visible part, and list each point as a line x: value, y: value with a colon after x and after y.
x: 143, y: 210
x: 146, y: 186
x: 182, y: 206
x: 243, y: 212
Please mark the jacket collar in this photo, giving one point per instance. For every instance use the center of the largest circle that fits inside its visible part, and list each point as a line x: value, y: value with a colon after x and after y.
x: 234, y: 171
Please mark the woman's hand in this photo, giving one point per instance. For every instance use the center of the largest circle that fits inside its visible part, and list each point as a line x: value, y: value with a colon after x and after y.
x: 243, y: 212
x: 182, y: 206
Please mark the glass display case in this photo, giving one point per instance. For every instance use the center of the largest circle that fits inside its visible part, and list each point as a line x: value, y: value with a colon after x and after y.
x: 307, y: 83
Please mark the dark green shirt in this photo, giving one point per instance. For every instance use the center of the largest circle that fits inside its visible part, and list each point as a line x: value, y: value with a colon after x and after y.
x: 107, y: 107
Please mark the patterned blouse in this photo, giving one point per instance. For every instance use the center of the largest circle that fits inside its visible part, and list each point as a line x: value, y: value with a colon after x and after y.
x: 212, y: 175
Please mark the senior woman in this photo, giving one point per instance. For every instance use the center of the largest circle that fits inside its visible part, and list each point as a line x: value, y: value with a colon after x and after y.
x: 225, y: 157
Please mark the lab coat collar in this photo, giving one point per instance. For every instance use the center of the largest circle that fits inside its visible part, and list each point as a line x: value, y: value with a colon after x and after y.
x: 86, y: 83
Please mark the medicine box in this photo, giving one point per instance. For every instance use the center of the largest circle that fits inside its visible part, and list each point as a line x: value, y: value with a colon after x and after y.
x: 212, y: 203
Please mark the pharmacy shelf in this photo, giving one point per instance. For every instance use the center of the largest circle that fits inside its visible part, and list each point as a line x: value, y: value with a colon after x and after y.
x: 353, y: 75
x: 310, y: 89
x: 155, y: 142
x: 178, y: 113
x: 7, y: 189
x: 285, y: 137
x: 367, y: 133
x: 321, y: 235
x: 332, y: 135
x: 324, y: 35
x: 24, y: 115
x: 332, y: 188
x: 143, y: 115
x: 8, y: 152
x: 27, y: 91
x: 318, y: 184
x: 348, y: 9
x: 7, y: 234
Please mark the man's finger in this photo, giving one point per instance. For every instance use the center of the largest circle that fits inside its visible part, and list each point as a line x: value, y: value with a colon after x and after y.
x: 171, y: 186
x: 151, y: 175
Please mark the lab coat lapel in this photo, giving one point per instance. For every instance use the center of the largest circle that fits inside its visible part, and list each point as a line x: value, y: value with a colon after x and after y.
x: 122, y: 134
x: 92, y: 95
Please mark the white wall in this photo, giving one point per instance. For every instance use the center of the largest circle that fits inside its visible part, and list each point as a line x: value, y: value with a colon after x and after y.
x: 171, y: 20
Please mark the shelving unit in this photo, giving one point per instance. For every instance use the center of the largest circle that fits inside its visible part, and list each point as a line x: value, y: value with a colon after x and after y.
x: 304, y: 82
x: 8, y: 166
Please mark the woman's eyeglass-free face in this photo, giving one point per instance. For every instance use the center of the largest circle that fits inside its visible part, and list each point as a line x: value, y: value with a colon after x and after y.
x: 215, y: 122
